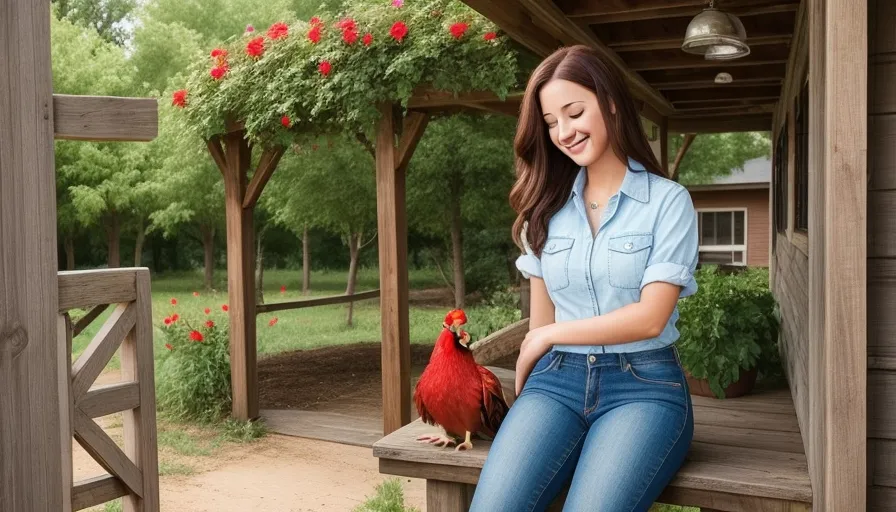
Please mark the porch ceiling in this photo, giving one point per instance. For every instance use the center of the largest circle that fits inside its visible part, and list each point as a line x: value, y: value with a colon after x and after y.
x: 643, y: 37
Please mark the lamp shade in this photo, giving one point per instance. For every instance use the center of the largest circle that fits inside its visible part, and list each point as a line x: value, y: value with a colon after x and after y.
x: 716, y: 35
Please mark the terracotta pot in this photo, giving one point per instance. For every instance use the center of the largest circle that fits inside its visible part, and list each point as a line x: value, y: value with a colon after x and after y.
x: 740, y: 387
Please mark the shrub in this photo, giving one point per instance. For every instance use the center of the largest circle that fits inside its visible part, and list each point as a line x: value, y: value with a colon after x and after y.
x: 193, y: 377
x: 389, y: 498
x: 729, y: 325
x: 501, y: 309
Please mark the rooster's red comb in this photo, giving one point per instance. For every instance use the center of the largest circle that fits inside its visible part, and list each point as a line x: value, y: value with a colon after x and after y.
x: 455, y: 314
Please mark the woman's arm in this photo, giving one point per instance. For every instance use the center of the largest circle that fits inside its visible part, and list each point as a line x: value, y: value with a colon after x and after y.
x: 541, y: 307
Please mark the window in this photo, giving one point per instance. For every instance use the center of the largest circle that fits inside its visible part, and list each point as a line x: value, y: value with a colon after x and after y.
x: 723, y: 236
x: 780, y: 170
x: 801, y: 178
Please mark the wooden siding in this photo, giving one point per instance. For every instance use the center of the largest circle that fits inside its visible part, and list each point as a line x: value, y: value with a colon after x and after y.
x: 881, y: 256
x: 791, y: 287
x: 756, y: 203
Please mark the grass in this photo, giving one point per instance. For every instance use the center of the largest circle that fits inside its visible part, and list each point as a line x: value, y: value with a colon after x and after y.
x: 297, y: 329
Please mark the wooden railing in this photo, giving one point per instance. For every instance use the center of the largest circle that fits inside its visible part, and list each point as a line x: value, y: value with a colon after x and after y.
x: 316, y: 301
x: 500, y: 343
x: 133, y: 471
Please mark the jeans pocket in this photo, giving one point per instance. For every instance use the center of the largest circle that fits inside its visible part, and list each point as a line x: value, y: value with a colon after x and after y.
x: 666, y: 373
x: 628, y: 253
x: 555, y: 262
x: 548, y: 362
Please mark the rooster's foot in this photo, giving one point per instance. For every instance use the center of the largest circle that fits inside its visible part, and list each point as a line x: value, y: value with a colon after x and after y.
x: 437, y: 439
x: 466, y: 445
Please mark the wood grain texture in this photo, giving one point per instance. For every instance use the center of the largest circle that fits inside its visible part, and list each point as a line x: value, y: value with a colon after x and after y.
x: 324, y: 426
x: 240, y: 278
x: 845, y: 255
x: 87, y: 319
x: 882, y: 499
x: 392, y: 226
x: 86, y: 288
x: 216, y: 150
x: 105, y: 118
x: 882, y: 224
x: 317, y: 301
x: 446, y: 496
x: 139, y: 423
x: 96, y: 491
x: 883, y: 75
x: 518, y: 24
x: 104, y: 450
x: 881, y: 153
x: 266, y: 167
x: 500, y: 343
x: 109, y: 399
x: 412, y: 131
x: 101, y: 349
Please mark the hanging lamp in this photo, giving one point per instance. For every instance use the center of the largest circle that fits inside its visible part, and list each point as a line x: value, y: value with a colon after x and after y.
x: 716, y: 35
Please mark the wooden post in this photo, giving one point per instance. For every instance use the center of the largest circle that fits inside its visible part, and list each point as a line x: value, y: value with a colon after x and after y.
x: 442, y: 496
x: 664, y: 146
x: 32, y: 361
x: 240, y: 277
x: 391, y: 166
x: 682, y: 151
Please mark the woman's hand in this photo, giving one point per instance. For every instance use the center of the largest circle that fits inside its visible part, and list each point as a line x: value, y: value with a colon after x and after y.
x: 536, y: 344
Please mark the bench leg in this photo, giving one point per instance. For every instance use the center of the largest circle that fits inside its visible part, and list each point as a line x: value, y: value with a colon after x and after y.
x: 442, y: 496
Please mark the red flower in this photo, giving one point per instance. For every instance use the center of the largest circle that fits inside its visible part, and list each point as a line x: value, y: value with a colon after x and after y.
x: 174, y: 302
x: 285, y: 121
x: 458, y: 29
x: 168, y: 346
x: 368, y: 38
x: 314, y: 34
x: 175, y: 318
x: 278, y: 30
x: 218, y: 72
x: 272, y: 322
x: 283, y: 288
x: 490, y: 36
x: 398, y: 31
x: 347, y: 24
x: 180, y: 98
x: 195, y: 294
x: 325, y: 67
x: 219, y: 53
x: 207, y: 311
x: 167, y: 320
x: 315, y: 21
x: 250, y: 28
x: 196, y: 336
x: 255, y: 47
x: 209, y: 324
x: 225, y: 308
x: 349, y: 36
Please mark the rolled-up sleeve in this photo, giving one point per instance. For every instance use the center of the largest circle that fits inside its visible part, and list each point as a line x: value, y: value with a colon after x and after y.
x: 528, y: 264
x: 673, y: 258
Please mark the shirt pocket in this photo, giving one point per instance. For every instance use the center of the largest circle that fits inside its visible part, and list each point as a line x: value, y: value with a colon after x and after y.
x: 628, y: 259
x: 555, y: 262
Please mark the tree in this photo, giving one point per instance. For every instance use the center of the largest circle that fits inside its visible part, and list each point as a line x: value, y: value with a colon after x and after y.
x: 715, y: 155
x: 109, y: 18
x: 328, y: 182
x: 459, y: 177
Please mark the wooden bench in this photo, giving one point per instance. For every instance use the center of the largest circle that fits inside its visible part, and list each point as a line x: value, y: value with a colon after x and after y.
x: 747, y: 453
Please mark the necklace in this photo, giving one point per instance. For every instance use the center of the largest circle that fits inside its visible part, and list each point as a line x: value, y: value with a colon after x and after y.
x: 594, y: 205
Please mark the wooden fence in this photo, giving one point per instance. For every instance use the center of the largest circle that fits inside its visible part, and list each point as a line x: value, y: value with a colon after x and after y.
x: 317, y: 301
x: 132, y: 471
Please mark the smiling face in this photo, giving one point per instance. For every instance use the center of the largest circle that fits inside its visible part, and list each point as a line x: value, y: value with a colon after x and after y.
x: 574, y: 120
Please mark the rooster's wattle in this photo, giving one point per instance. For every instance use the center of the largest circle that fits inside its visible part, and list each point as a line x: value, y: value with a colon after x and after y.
x: 456, y: 393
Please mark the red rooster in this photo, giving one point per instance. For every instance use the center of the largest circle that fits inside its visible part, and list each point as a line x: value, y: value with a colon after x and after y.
x: 455, y: 392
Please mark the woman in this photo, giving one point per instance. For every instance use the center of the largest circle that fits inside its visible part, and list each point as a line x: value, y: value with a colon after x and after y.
x: 610, y: 246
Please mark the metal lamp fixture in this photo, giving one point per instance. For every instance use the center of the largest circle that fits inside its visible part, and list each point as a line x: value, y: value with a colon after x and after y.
x: 716, y: 35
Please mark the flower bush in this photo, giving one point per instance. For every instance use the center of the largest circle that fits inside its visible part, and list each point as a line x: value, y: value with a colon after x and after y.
x: 193, y: 375
x: 327, y: 74
x: 729, y: 325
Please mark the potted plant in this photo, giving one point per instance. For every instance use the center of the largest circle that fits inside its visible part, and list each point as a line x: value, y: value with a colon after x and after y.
x: 729, y: 332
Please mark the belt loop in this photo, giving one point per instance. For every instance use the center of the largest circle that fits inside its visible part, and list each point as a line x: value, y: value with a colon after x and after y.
x: 622, y: 361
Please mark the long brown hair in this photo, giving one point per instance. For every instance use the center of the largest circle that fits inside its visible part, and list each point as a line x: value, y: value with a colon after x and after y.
x: 544, y: 174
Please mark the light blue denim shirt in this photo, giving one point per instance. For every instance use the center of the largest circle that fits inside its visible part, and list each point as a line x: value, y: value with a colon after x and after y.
x: 648, y: 233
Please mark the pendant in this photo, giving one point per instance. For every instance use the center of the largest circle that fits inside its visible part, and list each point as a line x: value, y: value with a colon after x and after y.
x: 594, y: 205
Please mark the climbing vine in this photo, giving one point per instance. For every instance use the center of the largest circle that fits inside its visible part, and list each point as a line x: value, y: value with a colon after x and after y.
x: 328, y: 73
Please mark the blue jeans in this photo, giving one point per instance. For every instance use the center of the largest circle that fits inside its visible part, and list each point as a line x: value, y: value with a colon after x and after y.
x: 618, y: 425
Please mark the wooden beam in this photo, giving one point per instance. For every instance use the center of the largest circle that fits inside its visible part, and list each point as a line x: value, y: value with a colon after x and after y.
x: 760, y: 30
x: 105, y: 118
x: 109, y: 399
x: 682, y: 151
x: 96, y: 491
x: 266, y: 167
x: 104, y: 450
x: 101, y: 349
x: 87, y: 319
x: 501, y: 343
x: 683, y: 78
x: 392, y: 228
x: 723, y: 94
x: 589, y: 13
x: 516, y: 23
x: 318, y: 301
x: 675, y: 42
x: 217, y: 151
x: 843, y: 290
x: 240, y: 279
x: 721, y: 124
x: 677, y: 59
x: 664, y: 146
x: 562, y: 28
x: 414, y: 126
x: 717, y: 109
x: 33, y: 383
x: 85, y: 288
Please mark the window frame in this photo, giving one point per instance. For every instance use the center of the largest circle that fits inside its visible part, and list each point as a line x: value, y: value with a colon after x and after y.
x: 727, y: 248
